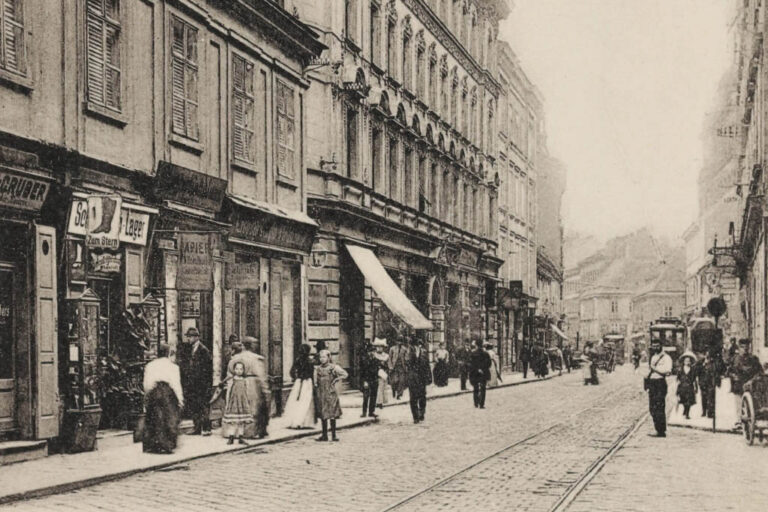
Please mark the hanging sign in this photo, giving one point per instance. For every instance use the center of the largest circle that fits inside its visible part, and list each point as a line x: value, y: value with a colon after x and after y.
x: 106, y: 262
x: 103, y: 222
x: 195, y: 271
x: 189, y: 304
x: 134, y: 224
x: 243, y: 275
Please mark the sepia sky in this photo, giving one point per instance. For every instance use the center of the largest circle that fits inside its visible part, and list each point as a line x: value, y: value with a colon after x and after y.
x: 626, y: 85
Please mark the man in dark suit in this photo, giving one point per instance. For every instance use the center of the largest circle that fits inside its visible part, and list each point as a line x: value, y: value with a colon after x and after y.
x: 197, y: 377
x: 418, y: 376
x: 462, y: 358
x: 479, y: 373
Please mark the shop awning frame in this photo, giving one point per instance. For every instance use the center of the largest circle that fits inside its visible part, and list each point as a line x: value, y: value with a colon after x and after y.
x: 386, y: 289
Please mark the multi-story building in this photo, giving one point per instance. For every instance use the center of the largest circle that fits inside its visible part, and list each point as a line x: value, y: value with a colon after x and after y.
x: 520, y: 143
x: 664, y: 297
x: 401, y: 153
x: 153, y: 156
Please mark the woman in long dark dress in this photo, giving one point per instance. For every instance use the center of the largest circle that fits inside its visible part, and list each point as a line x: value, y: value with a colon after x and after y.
x: 163, y: 401
x: 686, y: 384
x: 441, y: 366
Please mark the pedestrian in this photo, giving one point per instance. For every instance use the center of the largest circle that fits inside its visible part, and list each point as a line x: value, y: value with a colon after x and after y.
x: 257, y: 385
x: 743, y: 367
x: 441, y: 366
x: 237, y: 412
x: 525, y: 356
x: 686, y: 383
x: 197, y: 378
x: 163, y: 399
x: 369, y: 378
x: 479, y: 373
x: 418, y: 377
x: 636, y: 357
x: 462, y: 359
x: 227, y: 352
x: 567, y: 356
x: 382, y: 361
x: 327, y: 375
x: 494, y: 373
x: 300, y: 407
x: 659, y: 368
x: 591, y: 353
x: 708, y: 378
x: 398, y: 355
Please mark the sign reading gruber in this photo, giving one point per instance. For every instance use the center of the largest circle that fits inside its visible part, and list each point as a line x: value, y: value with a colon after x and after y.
x: 195, y: 262
x: 22, y: 192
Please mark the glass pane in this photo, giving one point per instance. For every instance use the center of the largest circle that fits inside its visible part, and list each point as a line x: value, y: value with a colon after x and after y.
x: 191, y: 44
x: 113, y: 46
x: 113, y: 9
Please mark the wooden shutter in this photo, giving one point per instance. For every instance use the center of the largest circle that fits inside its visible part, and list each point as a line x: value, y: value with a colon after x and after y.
x: 112, y: 67
x: 191, y: 82
x: 95, y: 52
x: 134, y: 275
x: 177, y: 77
x: 275, y: 319
x: 45, y: 329
x: 14, y: 54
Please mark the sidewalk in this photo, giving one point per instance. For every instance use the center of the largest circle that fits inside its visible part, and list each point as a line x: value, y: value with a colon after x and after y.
x: 354, y: 399
x: 725, y: 413
x: 117, y: 457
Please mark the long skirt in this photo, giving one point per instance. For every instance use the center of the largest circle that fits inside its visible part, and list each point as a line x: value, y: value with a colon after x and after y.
x: 237, y: 413
x: 161, y: 423
x: 300, y: 407
x: 441, y: 373
x: 382, y: 396
x: 493, y: 380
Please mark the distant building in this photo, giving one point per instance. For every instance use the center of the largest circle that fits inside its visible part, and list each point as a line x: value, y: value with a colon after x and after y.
x: 664, y: 297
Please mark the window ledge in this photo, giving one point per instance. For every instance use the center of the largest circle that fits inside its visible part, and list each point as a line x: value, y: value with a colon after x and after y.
x: 243, y: 165
x: 352, y: 46
x: 287, y: 182
x: 22, y: 83
x: 105, y: 114
x: 376, y: 68
x: 186, y: 143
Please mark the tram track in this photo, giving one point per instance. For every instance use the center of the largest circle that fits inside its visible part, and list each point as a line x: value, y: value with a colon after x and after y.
x: 573, y: 489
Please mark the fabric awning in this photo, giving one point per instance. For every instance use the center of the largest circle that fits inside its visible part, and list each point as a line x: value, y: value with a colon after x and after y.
x: 559, y: 332
x: 386, y: 289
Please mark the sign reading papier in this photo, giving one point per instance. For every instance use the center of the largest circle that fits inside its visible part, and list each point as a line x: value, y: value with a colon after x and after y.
x: 134, y: 224
x: 195, y: 270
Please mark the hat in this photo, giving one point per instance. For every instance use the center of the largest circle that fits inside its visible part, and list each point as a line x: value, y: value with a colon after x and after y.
x: 379, y: 342
x: 744, y: 341
x: 192, y: 331
x: 488, y: 345
x: 690, y: 354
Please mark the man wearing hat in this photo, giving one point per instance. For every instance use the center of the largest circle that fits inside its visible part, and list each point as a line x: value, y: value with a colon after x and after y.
x: 197, y: 376
x: 660, y: 367
x: 418, y: 376
x: 743, y: 367
x: 369, y: 376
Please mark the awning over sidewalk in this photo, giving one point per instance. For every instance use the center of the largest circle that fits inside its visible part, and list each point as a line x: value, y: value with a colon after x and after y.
x: 559, y: 332
x: 386, y: 289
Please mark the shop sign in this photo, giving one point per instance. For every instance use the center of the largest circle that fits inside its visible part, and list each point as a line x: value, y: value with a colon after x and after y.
x: 195, y: 271
x: 189, y: 304
x: 243, y: 275
x: 103, y: 222
x: 271, y: 230
x: 22, y: 192
x: 106, y: 262
x: 134, y: 224
x: 189, y: 187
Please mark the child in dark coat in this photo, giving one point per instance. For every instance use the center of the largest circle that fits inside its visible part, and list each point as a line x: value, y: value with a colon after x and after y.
x: 686, y: 385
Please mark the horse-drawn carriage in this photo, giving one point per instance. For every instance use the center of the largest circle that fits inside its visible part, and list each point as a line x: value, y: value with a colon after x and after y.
x: 754, y: 408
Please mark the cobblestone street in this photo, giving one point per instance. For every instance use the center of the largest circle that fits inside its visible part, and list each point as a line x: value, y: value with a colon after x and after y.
x: 558, y: 427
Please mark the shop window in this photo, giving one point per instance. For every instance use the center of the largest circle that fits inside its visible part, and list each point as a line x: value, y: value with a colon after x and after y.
x: 286, y: 124
x: 242, y: 109
x: 103, y: 74
x: 184, y: 78
x: 318, y: 301
x: 13, y: 57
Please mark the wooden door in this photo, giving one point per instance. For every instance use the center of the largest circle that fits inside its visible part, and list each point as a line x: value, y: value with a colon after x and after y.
x: 45, y: 329
x: 7, y: 349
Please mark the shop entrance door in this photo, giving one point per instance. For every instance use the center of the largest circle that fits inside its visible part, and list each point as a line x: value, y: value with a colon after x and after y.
x: 7, y: 350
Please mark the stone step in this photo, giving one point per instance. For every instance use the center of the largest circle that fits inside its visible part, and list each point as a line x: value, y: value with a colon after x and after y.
x: 20, y: 451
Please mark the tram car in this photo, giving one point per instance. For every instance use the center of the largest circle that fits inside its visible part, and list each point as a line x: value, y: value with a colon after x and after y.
x: 672, y: 333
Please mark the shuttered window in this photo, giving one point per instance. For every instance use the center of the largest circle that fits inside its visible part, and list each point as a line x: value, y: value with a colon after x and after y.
x: 184, y: 71
x: 103, y: 52
x: 242, y: 109
x: 13, y: 50
x: 286, y: 130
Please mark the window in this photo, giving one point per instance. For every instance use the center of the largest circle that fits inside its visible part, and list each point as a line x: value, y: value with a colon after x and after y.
x: 467, y: 216
x: 667, y: 311
x: 286, y: 131
x: 102, y: 52
x: 446, y: 205
x: 393, y: 168
x: 13, y: 49
x: 433, y: 189
x: 242, y: 109
x: 424, y: 200
x: 376, y: 174
x: 408, y: 177
x: 184, y: 70
x: 474, y: 213
x: 350, y: 19
x: 454, y: 104
x: 614, y: 306
x: 375, y: 33
x: 420, y: 83
x: 465, y: 115
x: 444, y: 96
x: 432, y: 84
x: 456, y: 212
x: 351, y: 142
x: 406, y: 63
x: 391, y: 48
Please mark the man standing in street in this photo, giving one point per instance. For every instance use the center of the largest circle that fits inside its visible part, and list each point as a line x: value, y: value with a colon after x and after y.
x: 660, y: 366
x: 398, y: 355
x: 743, y: 367
x: 418, y: 376
x: 479, y: 373
x: 567, y: 356
x: 462, y: 359
x: 197, y: 375
x: 525, y: 356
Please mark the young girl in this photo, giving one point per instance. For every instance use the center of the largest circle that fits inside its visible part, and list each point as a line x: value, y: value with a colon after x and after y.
x: 326, y: 376
x: 237, y: 410
x: 300, y: 408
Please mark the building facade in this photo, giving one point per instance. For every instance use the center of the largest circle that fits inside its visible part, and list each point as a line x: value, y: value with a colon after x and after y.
x: 401, y: 154
x: 154, y: 154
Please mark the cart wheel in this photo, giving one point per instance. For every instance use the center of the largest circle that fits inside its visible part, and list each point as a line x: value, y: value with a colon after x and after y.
x: 748, y: 418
